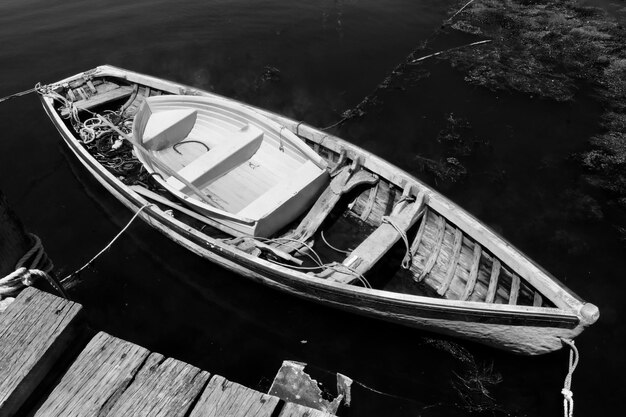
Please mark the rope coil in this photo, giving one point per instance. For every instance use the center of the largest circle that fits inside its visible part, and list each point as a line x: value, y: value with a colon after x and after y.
x: 26, y: 273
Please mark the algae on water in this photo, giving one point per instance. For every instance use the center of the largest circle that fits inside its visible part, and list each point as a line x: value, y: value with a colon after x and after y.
x: 555, y: 50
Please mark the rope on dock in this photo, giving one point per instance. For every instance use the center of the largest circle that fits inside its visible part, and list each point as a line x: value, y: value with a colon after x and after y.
x: 68, y: 279
x: 33, y: 265
x: 568, y: 395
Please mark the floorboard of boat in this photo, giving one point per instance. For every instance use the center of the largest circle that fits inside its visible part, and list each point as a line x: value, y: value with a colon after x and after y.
x: 250, y: 180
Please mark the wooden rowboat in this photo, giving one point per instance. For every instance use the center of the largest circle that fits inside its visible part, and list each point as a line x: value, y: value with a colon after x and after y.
x: 414, y: 257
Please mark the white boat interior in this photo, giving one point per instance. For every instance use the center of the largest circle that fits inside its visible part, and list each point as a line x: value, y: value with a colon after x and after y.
x: 227, y: 162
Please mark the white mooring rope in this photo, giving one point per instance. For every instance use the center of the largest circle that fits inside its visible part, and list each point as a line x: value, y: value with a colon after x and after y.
x: 34, y: 264
x: 568, y: 395
x: 69, y: 278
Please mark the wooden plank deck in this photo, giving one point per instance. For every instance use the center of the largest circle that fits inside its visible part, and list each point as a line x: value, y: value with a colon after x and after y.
x: 111, y: 376
x: 34, y: 332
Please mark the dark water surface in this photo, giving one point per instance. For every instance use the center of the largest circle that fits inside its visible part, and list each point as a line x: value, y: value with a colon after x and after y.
x: 330, y: 54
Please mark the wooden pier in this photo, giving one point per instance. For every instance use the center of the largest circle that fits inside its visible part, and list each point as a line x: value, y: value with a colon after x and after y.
x: 45, y: 372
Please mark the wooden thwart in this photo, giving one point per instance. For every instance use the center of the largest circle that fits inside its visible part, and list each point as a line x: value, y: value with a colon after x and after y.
x: 34, y: 332
x: 101, y: 98
x: 365, y: 256
x: 346, y: 180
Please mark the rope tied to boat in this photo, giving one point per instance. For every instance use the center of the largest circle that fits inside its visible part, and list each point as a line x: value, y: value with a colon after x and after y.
x: 281, y: 147
x: 69, y: 278
x: 20, y: 94
x: 408, y: 256
x: 32, y: 265
x: 568, y: 395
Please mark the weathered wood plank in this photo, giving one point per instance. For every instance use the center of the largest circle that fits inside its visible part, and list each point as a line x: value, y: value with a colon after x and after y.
x: 97, y: 378
x: 365, y: 256
x: 34, y: 332
x: 162, y: 387
x: 370, y: 201
x: 297, y: 410
x: 225, y: 398
x: 515, y: 283
x: 345, y: 181
x: 493, y: 281
x: 101, y: 98
x: 537, y: 299
x: 434, y: 254
x: 420, y: 233
x: 454, y: 260
x: 471, y: 280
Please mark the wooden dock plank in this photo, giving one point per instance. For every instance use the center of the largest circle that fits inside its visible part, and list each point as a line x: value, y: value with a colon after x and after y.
x: 34, y: 332
x: 97, y: 378
x: 297, y: 410
x: 225, y: 398
x: 163, y: 387
x: 110, y: 377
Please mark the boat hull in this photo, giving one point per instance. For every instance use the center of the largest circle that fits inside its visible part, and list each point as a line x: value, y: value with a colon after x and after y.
x: 519, y: 329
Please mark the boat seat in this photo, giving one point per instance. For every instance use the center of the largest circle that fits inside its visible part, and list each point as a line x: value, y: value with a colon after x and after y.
x: 307, y: 176
x: 375, y: 246
x: 220, y: 159
x: 169, y: 128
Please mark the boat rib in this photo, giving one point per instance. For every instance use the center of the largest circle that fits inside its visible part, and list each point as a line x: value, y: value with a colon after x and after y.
x: 454, y: 261
x: 434, y: 254
x: 515, y: 283
x: 493, y: 281
x: 471, y: 281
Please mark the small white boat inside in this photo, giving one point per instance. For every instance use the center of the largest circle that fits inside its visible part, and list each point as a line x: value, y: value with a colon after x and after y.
x: 229, y: 163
